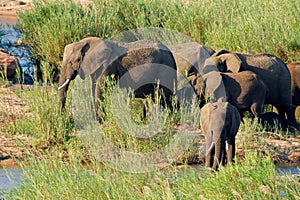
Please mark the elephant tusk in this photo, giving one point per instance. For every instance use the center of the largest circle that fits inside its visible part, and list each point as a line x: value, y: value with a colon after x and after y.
x: 227, y: 145
x: 211, y: 146
x: 63, y: 85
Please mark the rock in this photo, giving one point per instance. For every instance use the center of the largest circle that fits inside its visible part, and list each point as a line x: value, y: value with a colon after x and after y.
x: 8, y: 63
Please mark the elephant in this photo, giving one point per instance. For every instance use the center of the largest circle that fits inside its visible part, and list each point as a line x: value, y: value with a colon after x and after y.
x: 272, y: 70
x: 219, y: 121
x: 190, y: 57
x: 294, y: 69
x: 270, y: 119
x: 146, y: 62
x: 245, y: 90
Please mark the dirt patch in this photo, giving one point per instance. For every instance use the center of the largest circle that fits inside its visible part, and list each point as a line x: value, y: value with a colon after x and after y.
x: 12, y: 109
x: 9, y: 10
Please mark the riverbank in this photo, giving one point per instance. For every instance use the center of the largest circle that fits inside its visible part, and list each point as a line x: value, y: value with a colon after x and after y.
x: 9, y: 10
x: 12, y: 108
x: 285, y: 150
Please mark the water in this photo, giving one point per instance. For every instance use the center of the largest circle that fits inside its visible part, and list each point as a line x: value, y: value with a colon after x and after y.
x: 9, y: 179
x: 9, y: 41
x: 281, y: 171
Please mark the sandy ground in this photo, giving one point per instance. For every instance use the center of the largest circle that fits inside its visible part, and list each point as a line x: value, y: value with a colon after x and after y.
x: 9, y: 10
x: 11, y: 109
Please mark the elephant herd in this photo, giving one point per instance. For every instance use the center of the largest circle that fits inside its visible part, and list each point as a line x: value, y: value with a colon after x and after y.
x: 233, y: 82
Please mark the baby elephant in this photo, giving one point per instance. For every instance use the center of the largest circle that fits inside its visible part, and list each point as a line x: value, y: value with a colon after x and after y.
x: 219, y: 122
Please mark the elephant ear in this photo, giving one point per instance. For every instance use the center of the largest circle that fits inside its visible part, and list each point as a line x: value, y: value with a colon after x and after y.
x: 85, y: 47
x: 101, y: 57
x: 232, y: 62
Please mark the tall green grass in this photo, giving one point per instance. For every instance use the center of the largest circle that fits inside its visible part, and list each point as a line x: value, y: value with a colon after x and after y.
x: 242, y: 26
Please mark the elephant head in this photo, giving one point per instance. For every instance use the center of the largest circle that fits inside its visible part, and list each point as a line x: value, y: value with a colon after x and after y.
x: 210, y: 86
x: 72, y: 63
x: 223, y: 61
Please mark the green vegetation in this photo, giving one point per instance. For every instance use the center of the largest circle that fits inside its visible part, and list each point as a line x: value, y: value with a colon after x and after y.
x: 255, y: 178
x: 62, y: 168
x: 241, y: 26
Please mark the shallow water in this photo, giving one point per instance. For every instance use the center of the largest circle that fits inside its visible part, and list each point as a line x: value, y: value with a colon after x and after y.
x: 9, y: 179
x: 9, y: 41
x: 288, y: 170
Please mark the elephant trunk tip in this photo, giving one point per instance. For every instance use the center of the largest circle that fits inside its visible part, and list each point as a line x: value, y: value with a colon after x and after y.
x: 64, y: 84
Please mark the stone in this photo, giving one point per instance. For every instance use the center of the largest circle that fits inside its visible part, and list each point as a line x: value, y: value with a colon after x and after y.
x: 8, y: 63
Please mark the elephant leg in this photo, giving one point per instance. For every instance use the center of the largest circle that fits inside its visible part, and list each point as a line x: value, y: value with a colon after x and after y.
x: 280, y: 109
x: 290, y: 112
x: 98, y: 96
x: 256, y: 109
x: 217, y: 156
x: 223, y: 156
x: 287, y: 111
x: 230, y: 152
x: 209, y: 151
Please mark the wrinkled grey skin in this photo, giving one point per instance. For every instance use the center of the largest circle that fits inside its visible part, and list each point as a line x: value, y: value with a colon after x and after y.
x: 272, y: 70
x: 294, y: 69
x: 219, y: 122
x: 245, y: 90
x: 190, y: 58
x: 101, y: 58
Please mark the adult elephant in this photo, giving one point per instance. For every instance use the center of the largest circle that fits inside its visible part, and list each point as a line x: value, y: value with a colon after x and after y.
x: 190, y: 58
x: 294, y: 69
x: 219, y: 122
x: 142, y: 63
x: 245, y: 90
x: 272, y: 70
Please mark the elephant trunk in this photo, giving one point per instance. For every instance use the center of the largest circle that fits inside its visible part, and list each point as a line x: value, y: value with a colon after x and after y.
x: 64, y: 82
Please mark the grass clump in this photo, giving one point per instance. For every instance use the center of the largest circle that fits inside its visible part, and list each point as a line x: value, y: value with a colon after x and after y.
x: 45, y: 121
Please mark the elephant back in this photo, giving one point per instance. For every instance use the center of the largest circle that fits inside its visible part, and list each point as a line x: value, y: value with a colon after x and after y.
x: 146, y: 51
x: 190, y: 57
